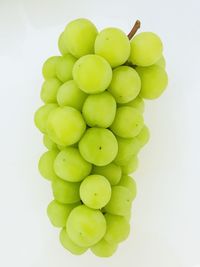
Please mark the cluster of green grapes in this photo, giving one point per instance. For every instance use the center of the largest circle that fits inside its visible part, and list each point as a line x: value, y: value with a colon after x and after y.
x: 92, y: 121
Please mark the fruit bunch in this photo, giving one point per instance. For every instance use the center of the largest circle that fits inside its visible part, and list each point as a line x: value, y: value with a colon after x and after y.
x: 92, y: 121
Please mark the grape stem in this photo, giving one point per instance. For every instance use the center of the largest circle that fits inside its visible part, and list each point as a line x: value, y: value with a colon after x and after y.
x: 133, y: 31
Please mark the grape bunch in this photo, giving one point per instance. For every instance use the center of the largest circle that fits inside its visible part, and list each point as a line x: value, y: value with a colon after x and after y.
x: 93, y: 129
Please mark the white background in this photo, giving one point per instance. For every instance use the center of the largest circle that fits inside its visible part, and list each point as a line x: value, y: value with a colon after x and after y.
x: 166, y: 213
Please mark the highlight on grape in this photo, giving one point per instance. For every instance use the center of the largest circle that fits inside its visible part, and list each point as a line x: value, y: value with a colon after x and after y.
x: 93, y: 130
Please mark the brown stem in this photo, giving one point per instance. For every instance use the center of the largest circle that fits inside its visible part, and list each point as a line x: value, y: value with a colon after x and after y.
x: 134, y: 29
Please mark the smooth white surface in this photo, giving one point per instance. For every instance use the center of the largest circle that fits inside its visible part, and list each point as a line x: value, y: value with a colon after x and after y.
x: 166, y: 214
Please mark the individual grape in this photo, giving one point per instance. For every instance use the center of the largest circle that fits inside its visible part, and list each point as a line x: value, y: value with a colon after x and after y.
x: 92, y: 74
x: 161, y: 62
x: 154, y: 81
x: 104, y: 249
x: 64, y: 67
x: 126, y: 148
x: 143, y: 136
x: 146, y: 49
x: 49, y: 67
x: 65, y: 192
x: 80, y: 35
x: 49, y: 144
x: 125, y: 84
x: 128, y: 122
x: 58, y: 213
x: 68, y: 244
x: 45, y: 165
x: 65, y: 126
x: 111, y: 171
x: 130, y: 184
x: 120, y: 202
x: 49, y: 90
x: 95, y: 191
x: 62, y: 45
x: 70, y: 95
x: 113, y: 45
x: 99, y: 110
x: 86, y: 226
x: 137, y: 103
x: 118, y: 228
x: 41, y: 116
x: 130, y: 166
x: 71, y: 166
x: 98, y: 146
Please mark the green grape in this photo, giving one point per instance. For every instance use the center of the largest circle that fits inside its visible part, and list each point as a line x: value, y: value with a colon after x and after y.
x: 111, y: 171
x: 128, y: 216
x: 143, y: 136
x: 130, y: 184
x: 49, y: 144
x: 86, y: 226
x: 71, y: 166
x: 65, y: 192
x: 62, y: 45
x: 70, y: 95
x: 64, y: 67
x: 95, y: 191
x: 146, y: 49
x: 120, y: 202
x: 80, y: 35
x: 137, y: 103
x: 49, y: 90
x: 45, y: 165
x: 113, y: 45
x: 118, y: 228
x: 98, y: 146
x: 125, y: 84
x: 126, y: 148
x: 130, y: 166
x: 154, y: 81
x: 128, y: 122
x: 58, y: 213
x: 68, y: 244
x: 41, y: 116
x: 161, y: 62
x: 49, y: 67
x: 104, y: 249
x: 65, y: 126
x: 99, y: 110
x: 92, y: 74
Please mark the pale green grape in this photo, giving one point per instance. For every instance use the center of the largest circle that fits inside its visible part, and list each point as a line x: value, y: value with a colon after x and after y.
x: 65, y: 192
x: 161, y: 62
x: 118, y: 228
x: 125, y: 84
x: 154, y: 81
x: 98, y: 146
x: 92, y: 74
x: 120, y: 202
x: 71, y: 166
x: 64, y: 67
x: 113, y: 45
x: 49, y: 143
x: 62, y: 45
x: 41, y: 116
x: 104, y: 249
x: 99, y: 110
x: 126, y: 148
x: 137, y: 103
x: 86, y: 226
x: 143, y: 136
x: 130, y: 166
x: 79, y: 36
x: 129, y: 183
x: 111, y: 171
x: 95, y: 191
x: 68, y: 244
x: 128, y: 122
x: 146, y: 49
x: 58, y: 213
x: 49, y: 67
x: 70, y: 95
x: 49, y: 90
x: 45, y: 165
x: 128, y: 216
x: 65, y: 126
